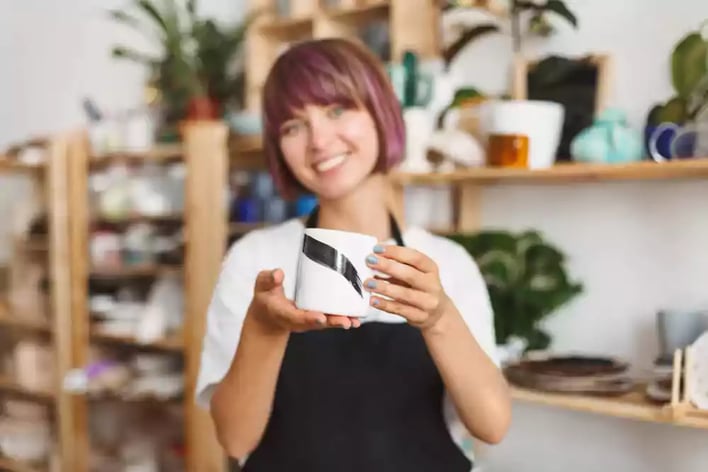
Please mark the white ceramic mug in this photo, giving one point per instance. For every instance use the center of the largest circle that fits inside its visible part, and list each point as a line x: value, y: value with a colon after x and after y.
x: 332, y: 270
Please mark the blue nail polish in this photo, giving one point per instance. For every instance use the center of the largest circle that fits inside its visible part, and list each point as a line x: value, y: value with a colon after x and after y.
x: 371, y: 284
x: 378, y: 249
x: 372, y: 259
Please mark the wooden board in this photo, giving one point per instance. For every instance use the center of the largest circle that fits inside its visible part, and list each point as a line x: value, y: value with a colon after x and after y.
x: 563, y: 173
x: 633, y: 405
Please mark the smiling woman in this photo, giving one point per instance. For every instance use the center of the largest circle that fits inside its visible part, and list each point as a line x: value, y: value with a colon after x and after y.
x: 325, y: 107
x: 398, y: 389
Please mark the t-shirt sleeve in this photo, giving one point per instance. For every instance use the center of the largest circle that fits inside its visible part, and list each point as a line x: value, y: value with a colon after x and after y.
x: 224, y: 319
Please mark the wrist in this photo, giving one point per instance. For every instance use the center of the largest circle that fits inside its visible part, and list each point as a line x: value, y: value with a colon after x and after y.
x: 257, y: 323
x: 441, y: 324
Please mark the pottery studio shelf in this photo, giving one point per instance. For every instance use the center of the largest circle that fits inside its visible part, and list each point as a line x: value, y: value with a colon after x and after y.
x: 633, y: 405
x: 696, y: 168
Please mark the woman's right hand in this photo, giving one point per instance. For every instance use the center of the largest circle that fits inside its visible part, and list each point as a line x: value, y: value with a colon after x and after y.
x: 277, y: 313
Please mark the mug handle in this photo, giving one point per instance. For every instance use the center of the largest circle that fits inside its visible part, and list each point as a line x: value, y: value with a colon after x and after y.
x: 661, y: 129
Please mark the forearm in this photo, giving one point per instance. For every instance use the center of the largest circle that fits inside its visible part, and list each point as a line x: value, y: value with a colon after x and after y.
x: 242, y: 401
x: 475, y: 384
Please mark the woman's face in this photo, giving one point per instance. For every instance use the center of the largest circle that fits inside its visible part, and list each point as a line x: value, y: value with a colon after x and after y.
x: 330, y: 149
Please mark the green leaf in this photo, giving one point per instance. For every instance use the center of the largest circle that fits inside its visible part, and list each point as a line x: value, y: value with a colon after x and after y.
x: 150, y: 10
x: 120, y: 52
x: 468, y: 35
x: 688, y: 64
x: 560, y: 8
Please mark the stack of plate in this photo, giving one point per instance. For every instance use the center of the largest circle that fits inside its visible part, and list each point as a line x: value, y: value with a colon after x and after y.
x: 572, y: 374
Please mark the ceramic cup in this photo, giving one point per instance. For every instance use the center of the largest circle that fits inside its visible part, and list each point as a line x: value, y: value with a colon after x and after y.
x: 332, y: 270
x: 678, y: 329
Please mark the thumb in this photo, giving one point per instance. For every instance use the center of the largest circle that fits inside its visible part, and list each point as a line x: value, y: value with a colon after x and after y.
x: 269, y: 279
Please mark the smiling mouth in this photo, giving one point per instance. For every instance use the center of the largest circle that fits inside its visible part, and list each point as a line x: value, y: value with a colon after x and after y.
x: 331, y: 162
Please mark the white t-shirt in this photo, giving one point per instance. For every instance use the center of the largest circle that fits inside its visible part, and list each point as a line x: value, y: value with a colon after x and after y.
x: 278, y: 246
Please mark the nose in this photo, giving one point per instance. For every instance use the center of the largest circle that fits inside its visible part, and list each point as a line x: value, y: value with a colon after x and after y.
x: 321, y: 134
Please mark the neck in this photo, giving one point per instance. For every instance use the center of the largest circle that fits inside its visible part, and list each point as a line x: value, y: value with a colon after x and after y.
x: 363, y: 211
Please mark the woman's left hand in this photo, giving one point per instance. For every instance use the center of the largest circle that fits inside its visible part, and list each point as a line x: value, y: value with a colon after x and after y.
x: 414, y: 285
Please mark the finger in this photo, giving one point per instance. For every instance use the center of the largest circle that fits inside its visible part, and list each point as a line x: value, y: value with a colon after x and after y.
x: 408, y: 274
x: 408, y: 256
x: 417, y: 298
x: 269, y: 279
x: 412, y: 314
x: 355, y: 322
x: 337, y: 321
x: 390, y: 279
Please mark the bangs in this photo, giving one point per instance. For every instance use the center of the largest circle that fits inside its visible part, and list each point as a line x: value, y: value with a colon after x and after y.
x: 307, y: 77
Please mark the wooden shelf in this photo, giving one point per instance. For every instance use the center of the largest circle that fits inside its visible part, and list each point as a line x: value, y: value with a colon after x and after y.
x: 146, y: 270
x: 288, y: 28
x: 8, y: 321
x: 633, y: 405
x: 359, y: 15
x: 171, y: 343
x: 9, y: 386
x: 11, y: 166
x: 563, y: 173
x: 161, y: 154
x: 10, y: 465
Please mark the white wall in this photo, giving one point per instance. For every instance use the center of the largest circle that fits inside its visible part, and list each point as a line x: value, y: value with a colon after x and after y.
x: 637, y: 247
x: 53, y: 54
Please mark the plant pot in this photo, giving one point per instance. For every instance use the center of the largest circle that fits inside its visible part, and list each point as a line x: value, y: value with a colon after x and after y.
x: 203, y: 108
x: 540, y: 121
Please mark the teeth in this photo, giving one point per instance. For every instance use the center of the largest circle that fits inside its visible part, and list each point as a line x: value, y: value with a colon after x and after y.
x: 330, y: 163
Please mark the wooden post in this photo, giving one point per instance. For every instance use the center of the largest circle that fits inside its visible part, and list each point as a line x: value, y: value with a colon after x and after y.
x: 77, y: 201
x: 415, y: 26
x: 206, y: 158
x: 57, y: 197
x: 470, y: 208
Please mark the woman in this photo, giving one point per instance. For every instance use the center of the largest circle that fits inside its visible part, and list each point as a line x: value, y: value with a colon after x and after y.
x: 291, y: 390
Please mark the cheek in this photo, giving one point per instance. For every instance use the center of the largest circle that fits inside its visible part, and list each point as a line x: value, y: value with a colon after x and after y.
x: 362, y: 134
x: 293, y: 152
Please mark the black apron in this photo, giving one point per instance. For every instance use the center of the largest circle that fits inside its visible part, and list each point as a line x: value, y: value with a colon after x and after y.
x: 360, y: 400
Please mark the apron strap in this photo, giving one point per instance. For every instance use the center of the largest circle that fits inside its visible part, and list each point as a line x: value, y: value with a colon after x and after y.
x: 313, y: 219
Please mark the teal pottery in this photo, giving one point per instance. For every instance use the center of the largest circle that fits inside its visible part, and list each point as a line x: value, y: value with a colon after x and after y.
x: 609, y: 140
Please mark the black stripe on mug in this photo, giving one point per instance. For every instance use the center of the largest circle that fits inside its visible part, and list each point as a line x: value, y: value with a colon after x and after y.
x: 329, y: 257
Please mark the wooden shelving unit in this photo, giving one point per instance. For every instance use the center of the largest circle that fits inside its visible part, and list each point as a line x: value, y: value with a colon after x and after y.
x: 412, y: 25
x: 53, y: 325
x: 203, y: 153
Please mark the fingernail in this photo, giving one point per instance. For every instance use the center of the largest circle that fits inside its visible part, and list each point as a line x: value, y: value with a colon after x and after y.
x: 371, y: 284
x: 374, y: 301
x: 372, y: 259
x: 378, y: 249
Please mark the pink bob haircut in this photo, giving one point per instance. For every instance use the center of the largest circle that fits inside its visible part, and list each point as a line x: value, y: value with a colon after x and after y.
x: 324, y: 72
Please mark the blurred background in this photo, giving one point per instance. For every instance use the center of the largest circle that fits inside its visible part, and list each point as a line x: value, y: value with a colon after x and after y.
x: 563, y: 143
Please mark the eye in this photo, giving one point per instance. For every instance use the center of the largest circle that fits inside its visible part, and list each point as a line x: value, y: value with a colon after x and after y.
x: 335, y: 111
x: 290, y: 128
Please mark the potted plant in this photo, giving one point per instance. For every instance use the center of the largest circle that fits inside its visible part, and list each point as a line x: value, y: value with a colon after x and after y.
x: 504, y: 16
x: 527, y: 281
x: 197, y: 74
x: 689, y: 77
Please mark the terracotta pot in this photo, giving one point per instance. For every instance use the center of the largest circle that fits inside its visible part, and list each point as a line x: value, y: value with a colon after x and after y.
x: 203, y: 108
